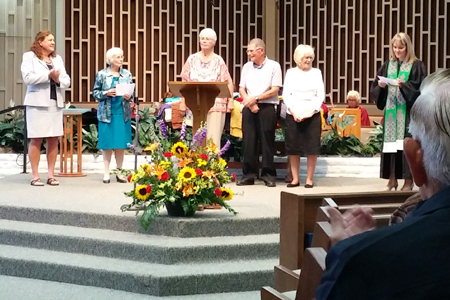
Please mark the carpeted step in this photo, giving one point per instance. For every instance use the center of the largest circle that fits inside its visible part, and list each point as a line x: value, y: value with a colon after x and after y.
x: 136, y: 246
x: 12, y: 289
x: 136, y: 277
x: 204, y: 224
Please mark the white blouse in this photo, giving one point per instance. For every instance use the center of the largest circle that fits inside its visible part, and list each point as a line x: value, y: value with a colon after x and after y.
x: 303, y: 90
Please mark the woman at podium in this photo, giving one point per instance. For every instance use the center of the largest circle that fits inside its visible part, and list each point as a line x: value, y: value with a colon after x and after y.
x: 114, y: 112
x: 206, y: 66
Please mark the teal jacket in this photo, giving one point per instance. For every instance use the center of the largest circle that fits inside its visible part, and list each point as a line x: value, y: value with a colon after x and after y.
x: 103, y: 82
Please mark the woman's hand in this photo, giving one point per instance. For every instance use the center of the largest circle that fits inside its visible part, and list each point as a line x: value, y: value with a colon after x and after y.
x: 381, y: 84
x: 111, y: 93
x: 127, y: 97
x: 54, y: 75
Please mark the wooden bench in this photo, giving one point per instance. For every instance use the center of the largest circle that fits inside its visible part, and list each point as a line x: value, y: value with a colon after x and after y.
x: 287, y: 279
x: 313, y: 267
x: 298, y: 216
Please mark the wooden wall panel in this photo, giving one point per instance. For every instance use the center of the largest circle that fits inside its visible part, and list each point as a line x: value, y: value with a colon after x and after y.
x: 20, y: 20
x: 351, y: 37
x: 156, y: 36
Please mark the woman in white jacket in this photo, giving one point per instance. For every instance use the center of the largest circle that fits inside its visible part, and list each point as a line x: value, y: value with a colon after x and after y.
x: 44, y: 74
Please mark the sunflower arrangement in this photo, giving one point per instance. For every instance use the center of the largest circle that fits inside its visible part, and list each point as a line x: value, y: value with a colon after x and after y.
x: 181, y: 172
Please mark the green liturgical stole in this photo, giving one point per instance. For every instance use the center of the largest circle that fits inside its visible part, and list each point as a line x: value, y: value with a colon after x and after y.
x: 395, y: 112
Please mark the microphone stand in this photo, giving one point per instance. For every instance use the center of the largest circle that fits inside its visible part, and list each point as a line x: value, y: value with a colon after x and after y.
x: 136, y: 135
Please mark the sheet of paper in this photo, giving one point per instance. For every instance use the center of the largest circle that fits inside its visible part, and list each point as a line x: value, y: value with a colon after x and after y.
x: 124, y: 88
x: 387, y: 80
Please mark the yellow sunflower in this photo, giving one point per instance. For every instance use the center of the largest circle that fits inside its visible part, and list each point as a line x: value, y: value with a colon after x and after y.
x: 152, y: 147
x: 227, y: 194
x: 187, y: 174
x: 142, y: 192
x: 179, y: 149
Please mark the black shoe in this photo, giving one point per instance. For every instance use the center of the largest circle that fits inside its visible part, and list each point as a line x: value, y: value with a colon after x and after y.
x: 121, y: 179
x: 309, y: 186
x: 271, y: 184
x: 106, y: 180
x: 245, y: 182
x: 291, y: 185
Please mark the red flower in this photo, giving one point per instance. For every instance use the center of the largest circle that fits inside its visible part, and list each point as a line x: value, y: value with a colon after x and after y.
x: 218, y: 192
x: 239, y: 99
x: 233, y: 177
x: 149, y: 189
x: 204, y: 156
x: 129, y: 178
x: 165, y: 176
x: 168, y: 154
x: 199, y: 172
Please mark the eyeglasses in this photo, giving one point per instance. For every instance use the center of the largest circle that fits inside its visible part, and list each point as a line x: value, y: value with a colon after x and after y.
x: 252, y: 50
x: 205, y: 38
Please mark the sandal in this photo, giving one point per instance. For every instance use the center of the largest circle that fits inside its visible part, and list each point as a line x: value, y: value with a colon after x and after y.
x: 37, y: 182
x: 52, y: 181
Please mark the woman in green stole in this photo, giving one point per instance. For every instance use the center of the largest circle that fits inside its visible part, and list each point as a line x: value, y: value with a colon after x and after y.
x: 396, y: 95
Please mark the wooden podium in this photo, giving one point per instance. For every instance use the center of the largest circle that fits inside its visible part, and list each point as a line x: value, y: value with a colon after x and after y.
x: 199, y: 97
x: 66, y: 152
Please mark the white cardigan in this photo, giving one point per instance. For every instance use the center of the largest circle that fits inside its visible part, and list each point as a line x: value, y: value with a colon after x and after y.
x: 303, y: 89
x: 35, y: 76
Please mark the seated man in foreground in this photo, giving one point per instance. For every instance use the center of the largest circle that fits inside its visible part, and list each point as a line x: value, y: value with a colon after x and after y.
x: 410, y: 260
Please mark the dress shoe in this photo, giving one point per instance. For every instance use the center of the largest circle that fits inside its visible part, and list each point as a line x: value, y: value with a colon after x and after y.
x: 245, y: 182
x: 407, y: 187
x: 291, y: 185
x: 309, y: 186
x: 392, y: 184
x: 271, y: 184
x: 120, y: 178
x: 106, y: 180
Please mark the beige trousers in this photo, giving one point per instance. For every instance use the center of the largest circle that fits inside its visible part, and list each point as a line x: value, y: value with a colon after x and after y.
x: 215, y: 123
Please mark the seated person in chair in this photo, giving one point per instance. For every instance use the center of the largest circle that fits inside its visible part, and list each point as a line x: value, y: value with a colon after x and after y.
x: 353, y: 100
x: 409, y: 260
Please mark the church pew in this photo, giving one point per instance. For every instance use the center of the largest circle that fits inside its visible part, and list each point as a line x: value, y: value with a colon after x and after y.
x: 298, y: 216
x: 286, y: 279
x: 313, y: 267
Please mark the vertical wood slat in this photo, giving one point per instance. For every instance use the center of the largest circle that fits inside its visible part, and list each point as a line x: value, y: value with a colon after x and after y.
x: 154, y: 66
x: 342, y: 45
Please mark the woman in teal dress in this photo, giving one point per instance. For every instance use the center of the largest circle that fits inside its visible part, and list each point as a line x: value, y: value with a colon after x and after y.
x: 114, y: 112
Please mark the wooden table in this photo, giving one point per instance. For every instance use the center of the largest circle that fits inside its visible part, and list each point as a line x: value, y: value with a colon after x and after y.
x: 71, y: 116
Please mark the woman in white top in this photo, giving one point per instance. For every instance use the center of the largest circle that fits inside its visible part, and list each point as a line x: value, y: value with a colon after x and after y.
x: 303, y: 94
x: 45, y: 76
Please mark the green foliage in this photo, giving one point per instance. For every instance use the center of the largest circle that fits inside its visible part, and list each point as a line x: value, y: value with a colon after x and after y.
x: 147, y: 128
x: 235, y: 149
x: 90, y: 140
x: 334, y: 143
x: 12, y: 131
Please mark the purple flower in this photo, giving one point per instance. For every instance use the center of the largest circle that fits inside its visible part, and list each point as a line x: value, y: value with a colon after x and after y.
x: 225, y: 148
x: 183, y: 131
x: 194, y: 139
x: 163, y: 127
x: 134, y: 149
x: 202, y: 135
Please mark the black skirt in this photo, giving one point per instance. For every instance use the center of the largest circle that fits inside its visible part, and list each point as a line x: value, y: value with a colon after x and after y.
x: 303, y: 138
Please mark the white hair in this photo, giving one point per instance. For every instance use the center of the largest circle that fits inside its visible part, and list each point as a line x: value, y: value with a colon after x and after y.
x: 301, y: 51
x: 111, y: 52
x: 208, y: 32
x: 354, y: 94
x: 430, y: 124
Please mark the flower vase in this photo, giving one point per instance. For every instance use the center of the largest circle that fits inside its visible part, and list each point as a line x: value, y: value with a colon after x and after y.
x: 174, y: 209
